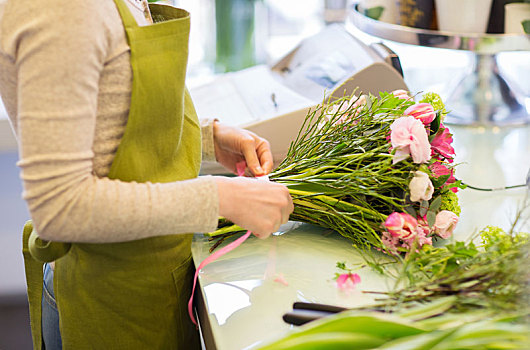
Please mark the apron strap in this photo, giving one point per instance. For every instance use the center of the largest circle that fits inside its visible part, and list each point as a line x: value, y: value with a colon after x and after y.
x: 126, y: 15
x: 34, y: 276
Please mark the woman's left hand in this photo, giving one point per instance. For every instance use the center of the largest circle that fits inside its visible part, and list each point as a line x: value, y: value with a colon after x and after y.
x: 233, y: 145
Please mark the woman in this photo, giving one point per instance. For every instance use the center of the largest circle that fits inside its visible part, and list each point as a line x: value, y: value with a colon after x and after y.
x: 110, y: 150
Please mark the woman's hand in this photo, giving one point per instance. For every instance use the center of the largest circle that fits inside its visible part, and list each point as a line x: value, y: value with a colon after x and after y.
x: 255, y: 205
x: 233, y: 145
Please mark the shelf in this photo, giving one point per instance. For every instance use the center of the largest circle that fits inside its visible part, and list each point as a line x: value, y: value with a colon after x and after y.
x: 475, y: 42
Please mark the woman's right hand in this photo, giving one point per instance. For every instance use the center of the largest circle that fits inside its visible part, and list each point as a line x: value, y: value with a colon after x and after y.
x: 258, y: 206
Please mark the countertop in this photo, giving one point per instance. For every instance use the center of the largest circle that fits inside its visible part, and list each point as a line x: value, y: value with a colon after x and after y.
x: 242, y: 305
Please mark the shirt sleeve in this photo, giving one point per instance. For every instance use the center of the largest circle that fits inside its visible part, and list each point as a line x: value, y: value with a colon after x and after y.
x: 60, y: 48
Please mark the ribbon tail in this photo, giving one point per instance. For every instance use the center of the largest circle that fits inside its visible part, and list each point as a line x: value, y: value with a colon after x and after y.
x: 208, y: 260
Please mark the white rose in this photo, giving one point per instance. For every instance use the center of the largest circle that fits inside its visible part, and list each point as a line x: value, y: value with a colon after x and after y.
x: 420, y: 187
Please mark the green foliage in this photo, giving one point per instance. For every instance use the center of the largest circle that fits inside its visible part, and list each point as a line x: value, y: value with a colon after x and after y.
x: 460, y: 296
x: 450, y: 202
x: 488, y: 276
x: 436, y: 102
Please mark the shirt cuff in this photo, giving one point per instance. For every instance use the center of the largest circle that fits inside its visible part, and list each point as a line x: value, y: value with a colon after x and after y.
x: 208, y: 148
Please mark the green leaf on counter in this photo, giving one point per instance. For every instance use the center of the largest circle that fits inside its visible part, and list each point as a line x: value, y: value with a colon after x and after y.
x: 329, y: 340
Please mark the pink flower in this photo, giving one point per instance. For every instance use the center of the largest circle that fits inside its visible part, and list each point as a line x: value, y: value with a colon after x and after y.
x: 421, y: 188
x: 424, y: 112
x: 402, y: 94
x: 441, y: 143
x: 390, y: 241
x: 280, y: 278
x: 409, y: 137
x: 439, y: 169
x: 347, y: 281
x: 445, y: 223
x: 356, y: 106
x: 423, y: 233
x: 401, y: 225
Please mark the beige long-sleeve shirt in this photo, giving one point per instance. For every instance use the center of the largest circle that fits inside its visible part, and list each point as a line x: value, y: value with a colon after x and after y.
x: 65, y: 80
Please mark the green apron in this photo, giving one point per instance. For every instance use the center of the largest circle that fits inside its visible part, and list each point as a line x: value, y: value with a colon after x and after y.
x: 133, y: 295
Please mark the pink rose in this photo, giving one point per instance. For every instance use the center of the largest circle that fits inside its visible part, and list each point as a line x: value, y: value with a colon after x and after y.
x: 424, y: 112
x: 441, y: 143
x: 402, y: 225
x: 421, y: 188
x: 347, y: 281
x: 445, y: 223
x: 409, y: 137
x: 402, y: 94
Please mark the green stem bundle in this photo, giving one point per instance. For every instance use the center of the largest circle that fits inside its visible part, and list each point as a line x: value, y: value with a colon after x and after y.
x: 340, y: 172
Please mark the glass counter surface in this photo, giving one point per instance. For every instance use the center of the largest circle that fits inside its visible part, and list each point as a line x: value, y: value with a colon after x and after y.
x: 244, y: 304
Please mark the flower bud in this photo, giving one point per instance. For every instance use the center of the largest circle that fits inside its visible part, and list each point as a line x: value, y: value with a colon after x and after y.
x: 424, y: 112
x: 402, y: 94
x: 445, y: 223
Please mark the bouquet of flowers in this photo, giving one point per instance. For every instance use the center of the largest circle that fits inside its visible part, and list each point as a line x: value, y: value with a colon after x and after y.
x: 376, y: 169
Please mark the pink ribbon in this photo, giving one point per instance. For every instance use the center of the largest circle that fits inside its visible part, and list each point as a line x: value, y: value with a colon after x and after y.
x: 240, y: 168
x: 208, y: 260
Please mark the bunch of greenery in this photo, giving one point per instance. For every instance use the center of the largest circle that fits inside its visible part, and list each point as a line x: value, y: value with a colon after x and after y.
x: 492, y: 276
x: 461, y: 296
x: 341, y: 174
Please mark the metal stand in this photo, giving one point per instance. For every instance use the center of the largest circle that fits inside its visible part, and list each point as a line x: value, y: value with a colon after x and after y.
x: 484, y: 97
x: 481, y: 97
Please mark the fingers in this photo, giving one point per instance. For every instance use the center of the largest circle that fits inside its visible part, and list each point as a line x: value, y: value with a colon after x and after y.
x: 258, y: 155
x: 258, y: 206
x: 249, y: 150
x: 232, y: 144
x: 265, y: 156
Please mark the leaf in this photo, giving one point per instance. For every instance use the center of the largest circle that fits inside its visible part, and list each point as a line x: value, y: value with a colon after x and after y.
x: 328, y: 340
x: 341, y: 265
x: 458, y: 184
x: 424, y: 206
x: 435, y: 124
x: 336, y: 149
x: 435, y: 204
x: 379, y: 325
x: 411, y: 211
x: 431, y: 218
x: 425, y: 341
x: 440, y: 180
x: 430, y: 309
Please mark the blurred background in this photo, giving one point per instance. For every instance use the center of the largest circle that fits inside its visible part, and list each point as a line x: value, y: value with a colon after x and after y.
x: 230, y: 35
